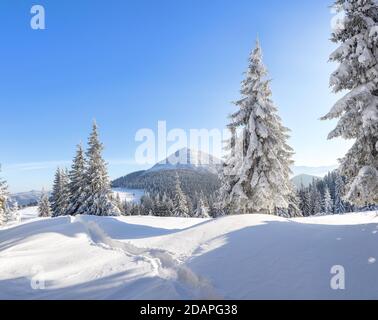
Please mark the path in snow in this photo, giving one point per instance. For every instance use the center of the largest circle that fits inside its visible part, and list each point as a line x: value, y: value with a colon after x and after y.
x: 163, y: 265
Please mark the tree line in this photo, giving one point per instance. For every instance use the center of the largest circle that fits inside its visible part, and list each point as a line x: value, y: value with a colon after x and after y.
x: 326, y: 196
x: 85, y: 188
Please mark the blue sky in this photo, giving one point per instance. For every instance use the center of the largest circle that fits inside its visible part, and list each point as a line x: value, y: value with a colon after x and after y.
x: 131, y: 63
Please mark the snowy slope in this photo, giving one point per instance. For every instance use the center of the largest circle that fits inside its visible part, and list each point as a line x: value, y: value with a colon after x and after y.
x: 236, y: 257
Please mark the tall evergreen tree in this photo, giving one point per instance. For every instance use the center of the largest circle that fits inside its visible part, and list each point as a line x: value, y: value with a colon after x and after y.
x: 44, y: 207
x: 126, y: 208
x: 97, y: 193
x: 180, y: 203
x: 135, y: 210
x: 60, y: 197
x: 315, y: 200
x: 327, y: 202
x: 168, y: 203
x: 3, y: 201
x: 256, y: 174
x: 357, y: 111
x: 339, y: 203
x: 305, y: 202
x: 161, y: 206
x: 77, y: 182
x: 118, y: 202
x: 147, y: 205
x: 294, y: 206
x: 202, y: 209
x: 11, y: 211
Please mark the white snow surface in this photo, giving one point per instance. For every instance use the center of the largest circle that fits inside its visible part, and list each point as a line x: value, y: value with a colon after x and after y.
x: 236, y: 257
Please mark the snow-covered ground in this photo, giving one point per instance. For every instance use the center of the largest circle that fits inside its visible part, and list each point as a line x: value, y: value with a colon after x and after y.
x: 236, y: 257
x: 28, y: 213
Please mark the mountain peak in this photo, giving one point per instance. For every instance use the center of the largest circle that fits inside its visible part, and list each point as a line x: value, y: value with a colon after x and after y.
x: 190, y: 159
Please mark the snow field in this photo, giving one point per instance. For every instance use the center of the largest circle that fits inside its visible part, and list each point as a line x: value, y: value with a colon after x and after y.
x: 236, y: 257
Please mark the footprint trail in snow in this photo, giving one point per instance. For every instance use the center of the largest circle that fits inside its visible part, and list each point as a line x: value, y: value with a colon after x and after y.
x: 163, y: 265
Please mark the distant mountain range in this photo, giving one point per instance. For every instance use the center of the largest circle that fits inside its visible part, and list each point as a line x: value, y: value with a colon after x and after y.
x: 198, y: 172
x: 188, y: 159
x: 27, y: 198
x: 201, y: 161
x: 303, y: 180
x: 319, y: 172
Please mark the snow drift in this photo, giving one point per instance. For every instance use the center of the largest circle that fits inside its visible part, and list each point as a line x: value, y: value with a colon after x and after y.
x: 236, y: 257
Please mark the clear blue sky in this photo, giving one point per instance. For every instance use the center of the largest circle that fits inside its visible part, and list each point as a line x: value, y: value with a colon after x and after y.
x: 130, y: 63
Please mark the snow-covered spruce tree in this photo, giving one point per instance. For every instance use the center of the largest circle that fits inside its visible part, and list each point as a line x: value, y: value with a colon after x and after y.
x: 147, y: 205
x: 126, y: 209
x: 168, y: 203
x: 135, y: 210
x: 305, y: 202
x: 294, y: 206
x: 77, y: 182
x: 256, y: 173
x: 180, y: 204
x: 11, y: 211
x: 161, y: 208
x: 202, y: 209
x: 118, y: 202
x: 97, y: 199
x: 357, y: 34
x: 3, y: 201
x: 327, y: 202
x: 60, y: 197
x: 339, y: 203
x: 44, y: 207
x: 315, y: 200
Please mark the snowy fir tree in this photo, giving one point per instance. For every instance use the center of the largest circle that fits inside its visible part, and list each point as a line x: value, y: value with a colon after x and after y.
x: 294, y: 206
x: 77, y: 182
x: 357, y: 111
x: 15, y: 210
x: 147, y: 205
x: 135, y: 210
x: 180, y: 204
x: 11, y: 211
x: 168, y: 205
x: 97, y: 195
x: 202, y: 210
x: 60, y: 197
x: 3, y: 201
x: 315, y: 201
x: 305, y: 202
x: 118, y: 202
x: 339, y: 189
x: 44, y: 207
x: 327, y: 202
x: 161, y: 206
x: 126, y: 208
x: 256, y: 173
